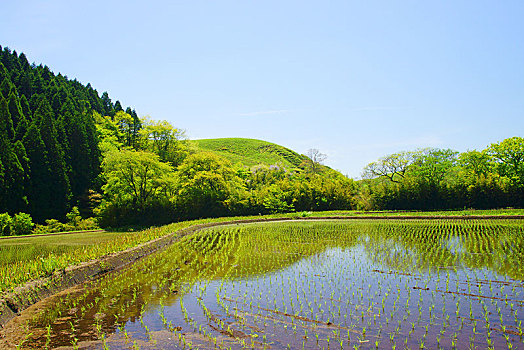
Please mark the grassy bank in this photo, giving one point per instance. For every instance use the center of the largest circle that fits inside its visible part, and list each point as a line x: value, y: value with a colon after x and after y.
x: 303, y: 284
x: 251, y: 152
x: 33, y: 257
x: 465, y: 212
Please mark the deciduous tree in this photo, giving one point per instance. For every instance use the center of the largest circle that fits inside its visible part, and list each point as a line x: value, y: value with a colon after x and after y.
x: 205, y: 182
x: 392, y: 167
x: 315, y: 160
x: 135, y: 176
x: 163, y: 139
x: 431, y: 165
x: 508, y: 156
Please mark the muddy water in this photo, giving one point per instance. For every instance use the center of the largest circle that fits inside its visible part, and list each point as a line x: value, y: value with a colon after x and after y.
x: 303, y: 285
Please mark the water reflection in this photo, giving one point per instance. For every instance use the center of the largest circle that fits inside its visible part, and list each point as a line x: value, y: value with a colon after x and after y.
x: 305, y: 285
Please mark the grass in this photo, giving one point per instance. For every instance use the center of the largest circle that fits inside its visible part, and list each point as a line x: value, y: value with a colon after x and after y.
x: 27, y: 248
x: 23, y: 259
x: 250, y: 152
x: 33, y: 257
x: 347, y: 284
x: 385, y: 213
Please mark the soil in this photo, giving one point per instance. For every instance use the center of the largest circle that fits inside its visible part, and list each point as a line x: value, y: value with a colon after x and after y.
x: 32, y: 295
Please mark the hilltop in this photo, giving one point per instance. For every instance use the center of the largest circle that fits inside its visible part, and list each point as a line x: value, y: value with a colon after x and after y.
x: 250, y: 152
x: 66, y: 151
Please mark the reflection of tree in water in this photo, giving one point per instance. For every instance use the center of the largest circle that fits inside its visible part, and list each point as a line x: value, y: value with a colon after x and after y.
x: 409, y: 246
x: 419, y: 245
x: 250, y: 251
x: 496, y: 246
x: 232, y: 252
x: 266, y: 250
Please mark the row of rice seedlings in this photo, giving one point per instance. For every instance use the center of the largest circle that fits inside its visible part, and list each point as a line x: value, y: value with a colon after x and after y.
x: 315, y: 284
x: 440, y: 252
x: 52, y: 257
x: 127, y: 298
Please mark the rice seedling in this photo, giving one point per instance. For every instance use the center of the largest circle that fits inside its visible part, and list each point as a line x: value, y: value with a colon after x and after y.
x: 358, y: 284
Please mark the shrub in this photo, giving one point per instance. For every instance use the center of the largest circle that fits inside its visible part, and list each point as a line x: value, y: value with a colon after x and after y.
x: 75, y: 223
x: 73, y: 217
x: 40, y: 229
x: 5, y: 224
x: 53, y: 225
x: 22, y: 224
x: 87, y: 224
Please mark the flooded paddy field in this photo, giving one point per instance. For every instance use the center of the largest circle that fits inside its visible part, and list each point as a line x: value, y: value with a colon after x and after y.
x: 317, y: 284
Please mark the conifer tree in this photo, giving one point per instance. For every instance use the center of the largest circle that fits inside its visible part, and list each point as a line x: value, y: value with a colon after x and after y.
x: 19, y: 196
x: 14, y: 109
x: 24, y: 104
x: 6, y: 120
x: 21, y: 128
x: 25, y: 87
x: 107, y: 105
x: 79, y: 154
x: 5, y: 87
x: 12, y: 189
x: 118, y: 107
x: 58, y: 178
x: 39, y: 193
x: 24, y: 63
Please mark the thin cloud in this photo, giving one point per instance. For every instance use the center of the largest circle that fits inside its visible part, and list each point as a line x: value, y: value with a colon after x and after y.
x: 379, y: 108
x: 269, y: 112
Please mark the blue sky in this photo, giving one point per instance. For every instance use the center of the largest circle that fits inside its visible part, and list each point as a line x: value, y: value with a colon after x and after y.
x: 355, y: 79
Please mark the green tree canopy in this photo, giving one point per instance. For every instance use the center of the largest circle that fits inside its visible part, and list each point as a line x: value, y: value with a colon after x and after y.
x: 205, y: 183
x: 475, y: 163
x: 163, y: 139
x: 432, y: 165
x: 392, y: 167
x: 137, y: 177
x: 508, y: 156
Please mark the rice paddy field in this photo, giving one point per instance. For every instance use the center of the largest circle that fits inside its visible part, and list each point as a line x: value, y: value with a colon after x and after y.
x: 356, y: 284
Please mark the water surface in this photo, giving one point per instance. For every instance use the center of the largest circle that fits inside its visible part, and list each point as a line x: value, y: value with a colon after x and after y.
x: 358, y: 284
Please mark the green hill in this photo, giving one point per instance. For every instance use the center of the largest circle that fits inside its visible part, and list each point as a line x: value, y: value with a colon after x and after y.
x: 251, y: 152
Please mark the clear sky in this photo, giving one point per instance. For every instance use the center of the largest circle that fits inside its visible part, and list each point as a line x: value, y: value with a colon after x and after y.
x: 355, y: 79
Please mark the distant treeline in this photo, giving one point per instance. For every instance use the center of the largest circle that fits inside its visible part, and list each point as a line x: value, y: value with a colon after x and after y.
x: 63, y: 146
x: 432, y: 178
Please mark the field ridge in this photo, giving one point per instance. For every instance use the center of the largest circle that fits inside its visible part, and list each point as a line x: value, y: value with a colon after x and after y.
x: 22, y: 297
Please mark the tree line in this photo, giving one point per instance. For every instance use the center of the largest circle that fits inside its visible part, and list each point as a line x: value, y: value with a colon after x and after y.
x: 433, y: 178
x: 66, y: 150
x: 151, y: 175
x: 62, y: 146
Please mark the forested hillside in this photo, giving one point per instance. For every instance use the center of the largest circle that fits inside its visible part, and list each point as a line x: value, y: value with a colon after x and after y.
x: 49, y: 154
x: 65, y: 146
x: 67, y: 153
